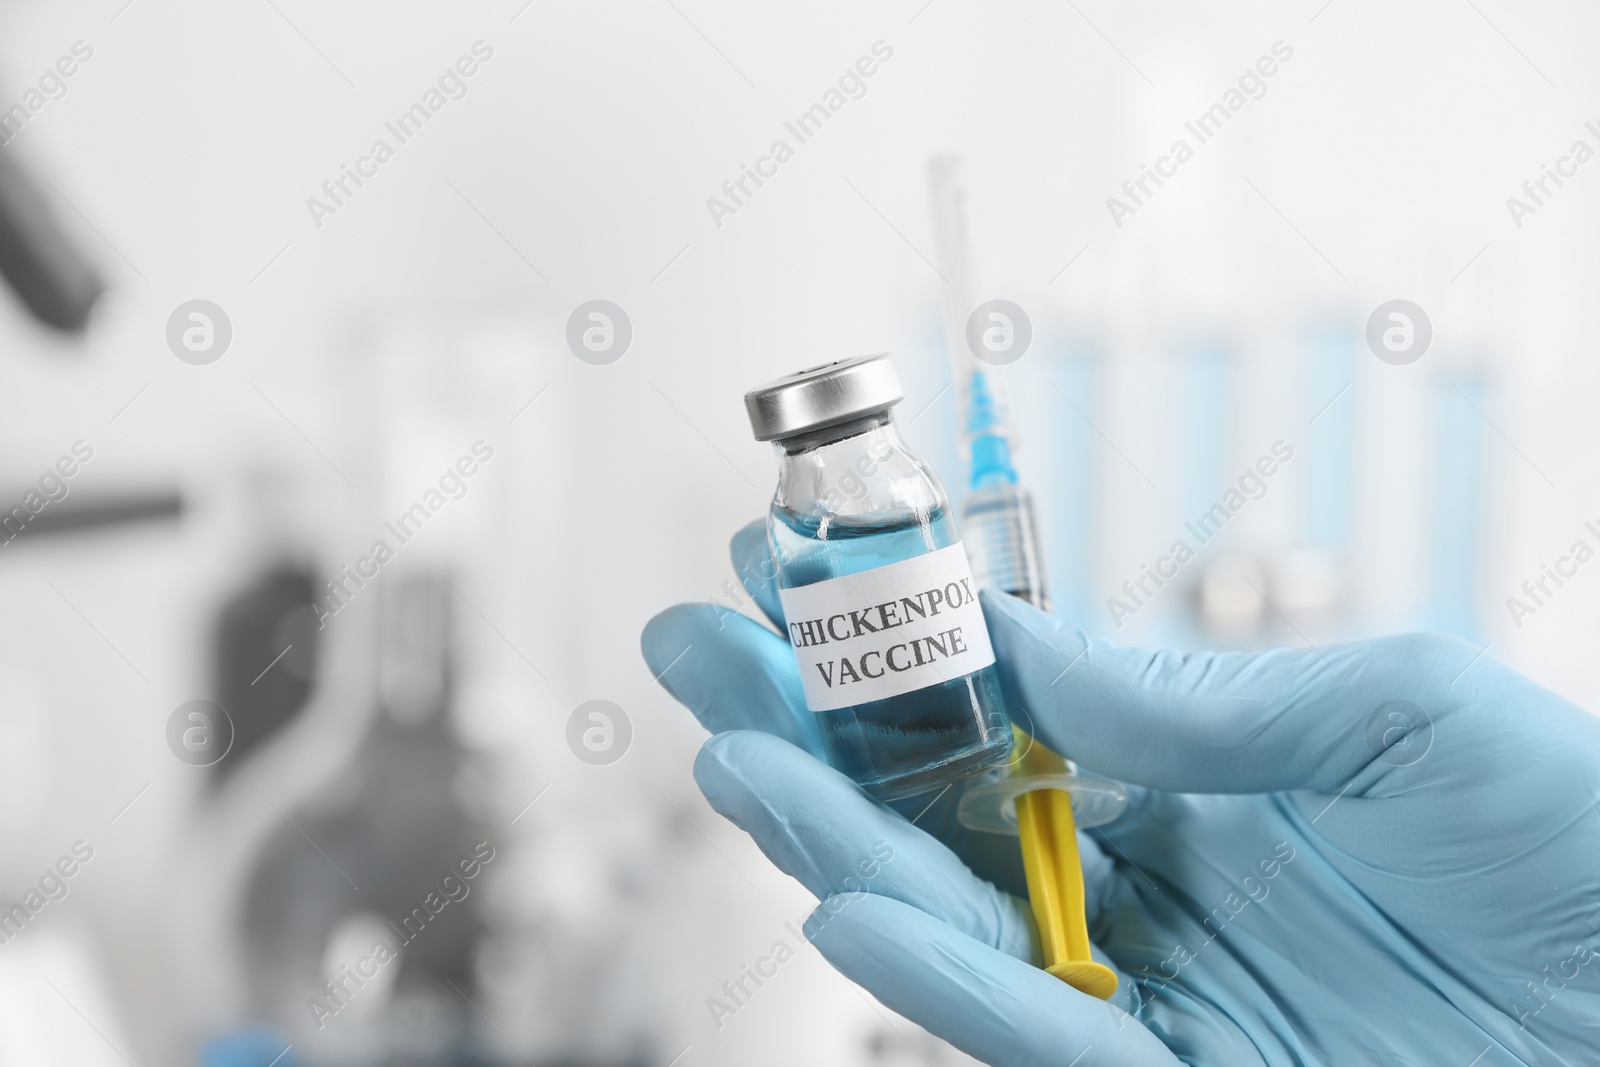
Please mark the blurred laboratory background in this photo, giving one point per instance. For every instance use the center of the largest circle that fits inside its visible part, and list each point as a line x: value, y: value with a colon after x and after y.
x: 335, y: 498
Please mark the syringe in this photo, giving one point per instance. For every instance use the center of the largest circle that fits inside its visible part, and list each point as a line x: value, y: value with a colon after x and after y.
x: 1002, y: 539
x: 998, y: 518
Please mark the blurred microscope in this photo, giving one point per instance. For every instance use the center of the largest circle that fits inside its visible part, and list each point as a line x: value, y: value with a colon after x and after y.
x: 46, y: 270
x: 55, y: 280
x: 374, y: 887
x: 395, y: 818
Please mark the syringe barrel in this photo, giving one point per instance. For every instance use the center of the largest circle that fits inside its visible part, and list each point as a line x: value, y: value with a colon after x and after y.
x: 1002, y: 539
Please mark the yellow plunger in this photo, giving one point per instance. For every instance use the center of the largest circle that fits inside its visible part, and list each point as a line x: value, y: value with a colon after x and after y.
x: 1055, y: 875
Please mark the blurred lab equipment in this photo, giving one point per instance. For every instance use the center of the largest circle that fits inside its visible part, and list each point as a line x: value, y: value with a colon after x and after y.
x: 266, y: 640
x: 394, y: 821
x: 45, y: 268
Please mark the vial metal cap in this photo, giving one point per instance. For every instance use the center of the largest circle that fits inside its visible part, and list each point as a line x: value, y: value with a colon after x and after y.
x: 823, y: 396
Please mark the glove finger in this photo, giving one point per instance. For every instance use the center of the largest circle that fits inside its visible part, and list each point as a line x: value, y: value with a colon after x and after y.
x: 819, y: 827
x: 730, y: 671
x: 752, y: 560
x: 995, y: 857
x: 1224, y: 722
x: 810, y: 820
x: 988, y: 1004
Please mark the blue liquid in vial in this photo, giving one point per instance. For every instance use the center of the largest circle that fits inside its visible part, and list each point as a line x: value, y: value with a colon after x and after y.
x: 916, y: 741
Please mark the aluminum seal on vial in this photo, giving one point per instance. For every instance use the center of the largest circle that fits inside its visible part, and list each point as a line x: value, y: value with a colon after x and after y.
x: 823, y: 396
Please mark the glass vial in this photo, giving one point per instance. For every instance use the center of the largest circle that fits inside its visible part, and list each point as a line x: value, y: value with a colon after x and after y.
x: 878, y: 598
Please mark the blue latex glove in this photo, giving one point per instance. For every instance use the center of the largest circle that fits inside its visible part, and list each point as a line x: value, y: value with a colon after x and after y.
x: 1309, y: 872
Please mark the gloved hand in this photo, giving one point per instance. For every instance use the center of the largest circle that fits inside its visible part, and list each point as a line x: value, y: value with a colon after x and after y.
x: 1378, y: 853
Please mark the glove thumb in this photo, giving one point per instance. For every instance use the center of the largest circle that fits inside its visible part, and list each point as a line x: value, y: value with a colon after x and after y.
x: 1218, y: 722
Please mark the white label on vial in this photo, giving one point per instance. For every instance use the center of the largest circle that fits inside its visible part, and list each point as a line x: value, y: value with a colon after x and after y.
x: 887, y: 631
